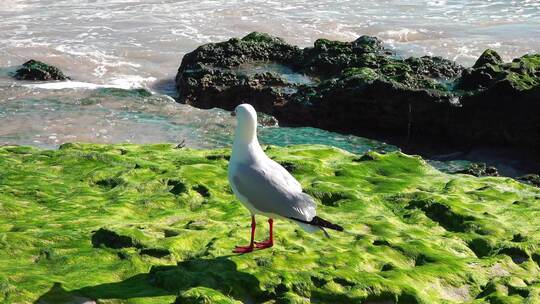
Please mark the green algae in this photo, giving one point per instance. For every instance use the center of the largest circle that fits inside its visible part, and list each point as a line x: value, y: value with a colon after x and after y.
x: 259, y: 37
x: 153, y: 224
x: 521, y: 74
x: 37, y: 70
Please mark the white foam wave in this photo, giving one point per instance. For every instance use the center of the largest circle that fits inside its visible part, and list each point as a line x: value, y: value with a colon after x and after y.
x: 64, y: 85
x: 404, y: 34
x: 125, y: 82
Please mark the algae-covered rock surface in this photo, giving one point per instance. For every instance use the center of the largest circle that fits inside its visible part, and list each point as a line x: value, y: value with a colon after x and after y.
x: 360, y: 87
x: 37, y: 70
x: 154, y: 224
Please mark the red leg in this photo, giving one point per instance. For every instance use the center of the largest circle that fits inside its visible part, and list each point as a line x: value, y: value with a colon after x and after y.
x: 249, y: 248
x: 270, y: 242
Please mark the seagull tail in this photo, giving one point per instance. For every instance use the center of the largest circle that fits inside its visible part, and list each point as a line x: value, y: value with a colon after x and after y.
x: 320, y: 223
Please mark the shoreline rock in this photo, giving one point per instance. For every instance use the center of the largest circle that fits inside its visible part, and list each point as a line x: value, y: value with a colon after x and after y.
x: 362, y: 88
x: 37, y: 70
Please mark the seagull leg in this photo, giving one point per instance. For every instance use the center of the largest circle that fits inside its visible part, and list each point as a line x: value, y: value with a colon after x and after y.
x: 270, y: 241
x: 249, y: 248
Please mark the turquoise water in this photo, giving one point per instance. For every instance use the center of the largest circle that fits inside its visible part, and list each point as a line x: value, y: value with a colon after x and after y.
x: 285, y: 72
x: 351, y: 143
x: 112, y: 116
x: 116, y: 116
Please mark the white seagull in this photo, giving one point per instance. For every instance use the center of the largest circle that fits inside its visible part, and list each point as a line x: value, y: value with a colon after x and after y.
x: 264, y: 186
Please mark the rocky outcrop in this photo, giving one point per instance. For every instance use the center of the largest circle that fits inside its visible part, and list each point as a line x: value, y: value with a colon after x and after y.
x: 362, y: 88
x: 37, y: 70
x: 531, y: 179
x: 479, y: 170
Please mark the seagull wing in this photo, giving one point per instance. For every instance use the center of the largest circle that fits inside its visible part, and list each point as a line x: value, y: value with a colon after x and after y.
x: 271, y: 189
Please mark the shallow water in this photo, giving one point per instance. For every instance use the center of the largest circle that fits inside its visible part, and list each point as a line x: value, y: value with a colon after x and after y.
x: 285, y: 72
x: 132, y: 43
x: 110, y: 116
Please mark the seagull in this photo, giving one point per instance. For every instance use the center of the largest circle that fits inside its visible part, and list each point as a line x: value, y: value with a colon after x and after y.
x: 264, y: 186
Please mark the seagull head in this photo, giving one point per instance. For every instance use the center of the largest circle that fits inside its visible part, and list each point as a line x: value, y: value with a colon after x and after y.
x: 246, y: 116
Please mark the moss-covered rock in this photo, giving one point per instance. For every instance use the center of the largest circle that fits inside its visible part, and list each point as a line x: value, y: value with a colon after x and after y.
x: 479, y: 169
x: 489, y: 56
x: 37, y: 70
x: 362, y: 88
x: 412, y: 234
x: 490, y: 72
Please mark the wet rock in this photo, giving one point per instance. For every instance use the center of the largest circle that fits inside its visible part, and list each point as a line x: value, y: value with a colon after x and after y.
x: 267, y: 120
x: 480, y: 169
x: 360, y: 86
x: 37, y: 70
x: 488, y: 57
x: 531, y: 179
x: 368, y: 44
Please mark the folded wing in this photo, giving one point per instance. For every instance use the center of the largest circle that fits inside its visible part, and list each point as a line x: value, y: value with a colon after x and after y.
x: 271, y: 189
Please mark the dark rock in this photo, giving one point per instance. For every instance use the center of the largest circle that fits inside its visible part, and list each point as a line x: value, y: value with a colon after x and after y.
x: 531, y: 179
x: 267, y: 120
x: 360, y: 86
x: 37, y: 70
x: 488, y: 57
x: 368, y: 44
x: 479, y: 169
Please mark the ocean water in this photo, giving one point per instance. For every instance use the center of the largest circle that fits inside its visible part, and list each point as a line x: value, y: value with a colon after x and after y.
x: 140, y: 44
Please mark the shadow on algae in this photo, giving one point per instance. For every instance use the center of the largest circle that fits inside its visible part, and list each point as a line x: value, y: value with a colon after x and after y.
x: 213, y: 273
